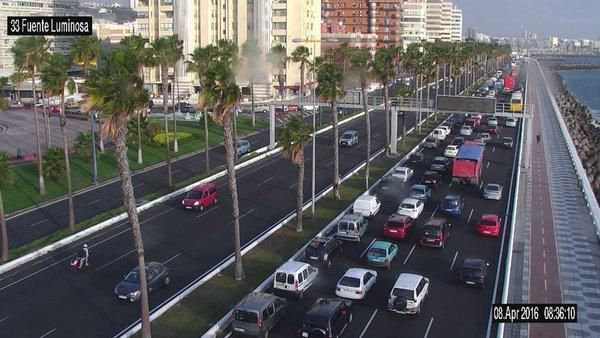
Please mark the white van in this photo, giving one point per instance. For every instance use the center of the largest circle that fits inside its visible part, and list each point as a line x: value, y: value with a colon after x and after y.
x: 439, y: 134
x: 294, y: 277
x: 366, y: 205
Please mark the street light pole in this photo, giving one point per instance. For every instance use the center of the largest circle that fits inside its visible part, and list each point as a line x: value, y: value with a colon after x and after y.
x: 94, y: 163
x: 314, y: 143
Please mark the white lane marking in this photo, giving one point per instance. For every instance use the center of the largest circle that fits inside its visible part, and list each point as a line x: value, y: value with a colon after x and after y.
x: 449, y: 185
x: 428, y: 328
x: 96, y: 201
x: 493, y: 149
x: 545, y: 285
x: 376, y: 135
x: 330, y: 147
x: 206, y: 212
x: 434, y: 211
x: 229, y: 335
x: 175, y: 171
x: 265, y: 181
x: 542, y: 230
x: 138, y: 185
x: 328, y: 164
x: 488, y: 164
x: 544, y: 253
x: 544, y: 268
x: 47, y: 333
x: 293, y: 185
x: 36, y: 223
x: 246, y: 214
x: 172, y: 258
x: 454, y: 260
x: 153, y: 217
x: 3, y: 319
x: 470, y: 214
x: 410, y: 253
x: 368, y: 247
x: 114, y: 260
x: 368, y: 323
x: 480, y: 185
x: 543, y: 241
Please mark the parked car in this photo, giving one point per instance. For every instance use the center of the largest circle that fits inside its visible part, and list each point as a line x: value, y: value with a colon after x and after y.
x: 261, y: 108
x: 431, y: 143
x: 492, y: 121
x: 473, y: 271
x: 420, y: 191
x: 492, y: 191
x: 257, y: 313
x: 493, y: 130
x: 294, y: 278
x: 451, y: 151
x: 436, y: 233
x: 439, y: 164
x: 323, y: 249
x: 411, y: 207
x: 439, y: 134
x: 402, y: 173
x: 243, y: 147
x: 352, y: 227
x: 157, y: 275
x: 366, y: 205
x: 327, y: 317
x: 408, y: 294
x: 398, y: 226
x: 489, y: 225
x: 349, y: 138
x: 452, y: 204
x: 507, y: 142
x: 485, y: 137
x: 458, y: 141
x: 200, y: 197
x: 511, y: 122
x: 466, y: 130
x: 355, y: 283
x: 293, y: 107
x: 310, y: 108
x: 382, y: 253
x: 431, y: 178
x: 416, y: 158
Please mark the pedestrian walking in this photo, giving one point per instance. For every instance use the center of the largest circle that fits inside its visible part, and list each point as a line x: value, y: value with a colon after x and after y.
x: 538, y: 137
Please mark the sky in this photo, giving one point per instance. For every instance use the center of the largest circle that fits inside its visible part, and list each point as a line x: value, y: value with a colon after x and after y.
x: 573, y: 19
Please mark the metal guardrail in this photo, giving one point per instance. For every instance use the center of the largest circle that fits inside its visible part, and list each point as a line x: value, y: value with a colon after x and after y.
x: 584, y: 183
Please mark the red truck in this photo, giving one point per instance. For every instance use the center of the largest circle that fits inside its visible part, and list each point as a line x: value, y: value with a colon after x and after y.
x: 467, y: 165
x: 509, y: 83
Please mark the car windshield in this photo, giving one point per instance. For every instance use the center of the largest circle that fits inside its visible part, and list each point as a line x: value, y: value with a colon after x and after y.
x: 343, y: 226
x: 431, y: 231
x: 346, y: 136
x: 401, y: 171
x: 377, y: 252
x: 439, y: 162
x: 194, y: 194
x: 350, y: 281
x: 395, y: 224
x: 492, y: 188
x: 418, y: 190
x: 407, y: 206
x: 133, y: 276
x: 487, y: 222
x: 470, y: 271
x: 451, y: 201
x: 403, y: 293
x: 315, y: 244
x: 430, y: 139
x: 246, y: 316
x: 507, y: 139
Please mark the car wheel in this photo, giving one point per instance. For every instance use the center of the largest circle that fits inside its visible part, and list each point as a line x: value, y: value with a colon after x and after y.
x: 167, y: 280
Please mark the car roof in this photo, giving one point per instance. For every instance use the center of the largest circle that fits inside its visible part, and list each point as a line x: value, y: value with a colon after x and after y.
x: 291, y: 266
x: 357, y: 272
x: 437, y: 221
x: 367, y: 198
x: 441, y: 158
x: 429, y: 172
x: 381, y: 245
x: 451, y: 197
x: 419, y: 186
x: 402, y: 168
x: 351, y: 217
x: 476, y: 263
x: 407, y: 281
x: 203, y: 186
x: 324, y: 307
x: 255, y: 301
x: 410, y: 200
x: 490, y: 217
x: 452, y: 146
x: 507, y: 138
x: 349, y: 132
x: 399, y: 218
x: 490, y: 185
x: 155, y: 265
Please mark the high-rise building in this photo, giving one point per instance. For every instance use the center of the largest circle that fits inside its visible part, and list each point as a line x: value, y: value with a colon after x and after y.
x: 456, y: 25
x: 32, y: 8
x: 446, y: 29
x: 434, y: 24
x: 472, y: 33
x: 413, y: 24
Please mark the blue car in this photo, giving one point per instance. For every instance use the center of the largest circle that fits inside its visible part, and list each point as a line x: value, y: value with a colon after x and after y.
x: 420, y: 191
x: 382, y: 253
x: 452, y: 204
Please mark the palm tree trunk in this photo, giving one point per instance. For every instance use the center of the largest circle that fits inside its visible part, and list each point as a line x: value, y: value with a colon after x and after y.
x: 165, y: 112
x: 387, y: 112
x: 3, y: 231
x: 300, y: 192
x: 404, y: 121
x: 41, y: 182
x: 130, y: 206
x: 46, y: 122
x: 230, y: 159
x: 301, y: 86
x: 139, y: 140
x: 363, y: 88
x: 175, y: 143
x: 101, y: 137
x: 336, y: 152
x: 252, y: 103
x: 63, y: 130
x: 206, y: 145
x: 444, y: 82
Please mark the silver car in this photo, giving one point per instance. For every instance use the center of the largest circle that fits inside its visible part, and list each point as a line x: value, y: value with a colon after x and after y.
x: 492, y: 191
x: 243, y: 147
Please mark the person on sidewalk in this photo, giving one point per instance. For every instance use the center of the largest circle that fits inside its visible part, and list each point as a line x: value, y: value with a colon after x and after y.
x: 538, y: 137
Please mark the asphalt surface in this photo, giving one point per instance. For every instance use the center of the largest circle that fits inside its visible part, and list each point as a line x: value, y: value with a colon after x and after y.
x: 449, y: 302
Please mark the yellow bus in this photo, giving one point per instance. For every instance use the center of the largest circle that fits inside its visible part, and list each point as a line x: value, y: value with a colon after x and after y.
x: 516, y: 102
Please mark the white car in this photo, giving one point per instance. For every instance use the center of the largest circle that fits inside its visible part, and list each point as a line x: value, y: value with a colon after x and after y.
x: 466, y: 130
x: 408, y: 294
x: 492, y: 93
x: 492, y: 121
x: 402, y: 173
x: 451, y: 150
x: 355, y: 283
x: 411, y: 207
x: 447, y: 129
x: 511, y: 122
x: 310, y: 108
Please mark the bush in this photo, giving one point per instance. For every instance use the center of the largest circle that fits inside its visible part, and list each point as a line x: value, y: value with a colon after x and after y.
x: 152, y: 130
x: 83, y: 145
x: 161, y: 138
x: 54, y: 163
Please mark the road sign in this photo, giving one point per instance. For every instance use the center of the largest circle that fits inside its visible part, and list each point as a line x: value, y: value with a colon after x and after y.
x: 470, y: 104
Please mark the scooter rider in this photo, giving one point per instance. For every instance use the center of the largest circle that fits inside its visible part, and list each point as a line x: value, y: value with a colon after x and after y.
x: 85, y: 255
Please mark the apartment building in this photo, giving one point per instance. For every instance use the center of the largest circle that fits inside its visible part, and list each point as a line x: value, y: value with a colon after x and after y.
x: 434, y: 21
x: 32, y: 8
x: 457, y: 30
x: 446, y: 22
x: 413, y: 23
x: 112, y: 32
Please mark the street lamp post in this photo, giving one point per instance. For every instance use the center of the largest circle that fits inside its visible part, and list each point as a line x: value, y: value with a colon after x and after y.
x: 94, y: 163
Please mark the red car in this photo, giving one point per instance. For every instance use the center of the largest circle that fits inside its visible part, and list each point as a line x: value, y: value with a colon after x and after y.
x: 200, y: 197
x: 492, y: 130
x: 437, y: 231
x: 489, y: 225
x: 293, y: 107
x: 398, y: 226
x: 54, y: 110
x: 474, y: 123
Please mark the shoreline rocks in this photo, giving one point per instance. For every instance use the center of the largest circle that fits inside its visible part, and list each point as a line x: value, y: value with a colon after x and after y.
x: 575, y: 66
x: 581, y: 125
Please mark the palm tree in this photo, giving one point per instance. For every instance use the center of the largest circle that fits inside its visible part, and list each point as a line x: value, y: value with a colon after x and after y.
x: 384, y: 71
x: 3, y: 103
x: 54, y: 163
x: 219, y: 90
x: 330, y: 89
x: 117, y: 91
x: 83, y: 145
x: 5, y: 178
x: 340, y: 56
x: 175, y: 54
x: 313, y: 69
x: 292, y: 139
x: 252, y: 55
x: 162, y: 55
x: 361, y: 62
x: 28, y: 55
x: 55, y: 79
x: 278, y: 58
x: 301, y: 55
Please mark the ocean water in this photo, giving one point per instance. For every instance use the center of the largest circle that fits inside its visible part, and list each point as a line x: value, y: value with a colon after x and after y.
x: 584, y: 84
